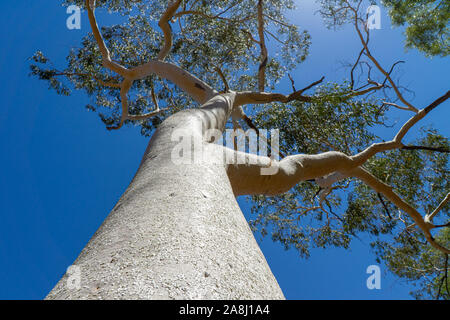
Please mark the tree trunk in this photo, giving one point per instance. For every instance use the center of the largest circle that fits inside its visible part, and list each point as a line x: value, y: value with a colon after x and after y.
x: 176, y: 233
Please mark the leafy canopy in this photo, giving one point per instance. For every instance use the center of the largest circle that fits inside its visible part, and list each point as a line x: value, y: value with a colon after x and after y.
x: 427, y: 24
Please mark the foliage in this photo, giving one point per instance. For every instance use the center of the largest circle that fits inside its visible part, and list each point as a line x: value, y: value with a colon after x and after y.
x: 427, y: 24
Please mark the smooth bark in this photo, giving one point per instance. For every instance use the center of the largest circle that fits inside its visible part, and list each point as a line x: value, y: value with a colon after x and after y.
x: 177, y: 232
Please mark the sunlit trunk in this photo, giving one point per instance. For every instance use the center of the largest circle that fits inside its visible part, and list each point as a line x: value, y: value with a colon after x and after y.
x: 176, y: 233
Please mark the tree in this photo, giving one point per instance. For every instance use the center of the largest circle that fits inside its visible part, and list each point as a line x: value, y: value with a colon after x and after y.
x: 427, y: 24
x: 177, y: 232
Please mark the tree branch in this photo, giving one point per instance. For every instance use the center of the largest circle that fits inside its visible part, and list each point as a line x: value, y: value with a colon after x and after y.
x: 429, y: 217
x: 396, y: 105
x: 103, y: 83
x: 352, y: 81
x: 224, y: 80
x: 262, y: 44
x: 437, y: 149
x: 387, y: 191
x: 248, y: 97
x: 396, y: 143
x: 197, y: 89
x: 246, y: 170
x: 206, y: 16
x: 305, y: 167
x: 107, y: 62
x: 253, y: 174
x: 125, y: 115
x: 167, y: 30
x: 384, y: 205
x: 251, y: 125
x: 375, y: 61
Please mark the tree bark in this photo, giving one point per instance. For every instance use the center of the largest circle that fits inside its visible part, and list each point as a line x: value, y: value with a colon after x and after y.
x: 177, y: 232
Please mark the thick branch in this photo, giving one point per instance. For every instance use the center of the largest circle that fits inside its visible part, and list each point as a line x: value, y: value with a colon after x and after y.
x: 197, y: 89
x: 304, y: 167
x: 167, y: 30
x: 422, y: 113
x: 251, y: 174
x: 107, y: 62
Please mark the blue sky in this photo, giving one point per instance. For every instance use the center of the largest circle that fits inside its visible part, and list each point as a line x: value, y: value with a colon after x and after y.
x: 61, y: 171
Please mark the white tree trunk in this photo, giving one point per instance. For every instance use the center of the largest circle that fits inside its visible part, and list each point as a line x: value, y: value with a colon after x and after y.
x: 176, y: 233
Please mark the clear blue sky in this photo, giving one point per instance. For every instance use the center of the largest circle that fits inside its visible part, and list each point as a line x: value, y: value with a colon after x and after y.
x: 61, y: 171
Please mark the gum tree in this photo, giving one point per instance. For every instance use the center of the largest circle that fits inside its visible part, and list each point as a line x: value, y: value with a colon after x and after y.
x: 183, y: 69
x: 426, y: 21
